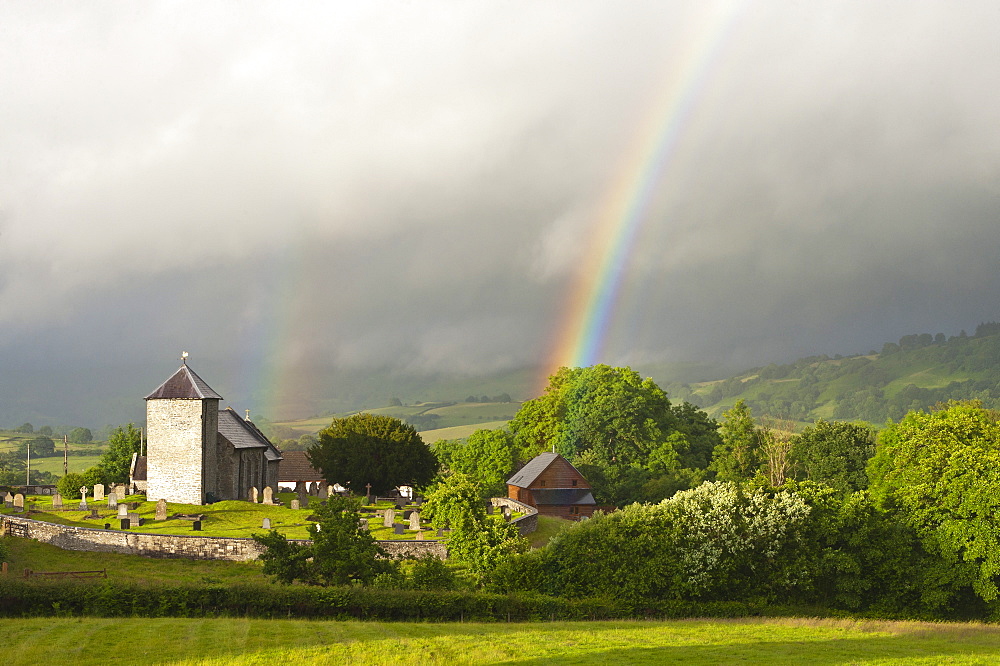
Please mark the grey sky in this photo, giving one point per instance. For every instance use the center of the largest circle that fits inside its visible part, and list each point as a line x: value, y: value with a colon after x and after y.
x: 414, y: 183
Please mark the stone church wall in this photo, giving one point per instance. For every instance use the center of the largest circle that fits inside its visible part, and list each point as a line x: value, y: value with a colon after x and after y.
x: 176, y: 457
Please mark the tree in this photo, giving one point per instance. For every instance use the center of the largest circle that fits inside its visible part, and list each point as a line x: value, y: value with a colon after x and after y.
x: 480, y: 541
x: 81, y: 436
x: 341, y: 551
x: 835, y: 453
x: 45, y: 430
x: 488, y: 456
x: 41, y: 447
x: 737, y: 457
x: 612, y: 413
x: 369, y: 448
x: 123, y: 443
x: 25, y: 428
x: 939, y: 470
x: 69, y: 486
x: 774, y: 437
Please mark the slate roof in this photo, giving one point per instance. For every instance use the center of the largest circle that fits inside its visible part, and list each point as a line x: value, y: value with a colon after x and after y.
x: 138, y: 471
x: 243, y: 434
x: 562, y: 496
x: 527, y: 475
x: 184, y: 384
x: 296, y: 467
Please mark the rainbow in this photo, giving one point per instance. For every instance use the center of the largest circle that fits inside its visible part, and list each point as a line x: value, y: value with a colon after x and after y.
x: 590, y: 308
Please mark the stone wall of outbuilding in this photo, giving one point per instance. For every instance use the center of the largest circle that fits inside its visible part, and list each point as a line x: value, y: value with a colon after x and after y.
x: 527, y: 523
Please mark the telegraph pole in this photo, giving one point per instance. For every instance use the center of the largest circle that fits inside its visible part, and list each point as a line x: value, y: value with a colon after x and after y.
x: 65, y: 455
x: 27, y: 473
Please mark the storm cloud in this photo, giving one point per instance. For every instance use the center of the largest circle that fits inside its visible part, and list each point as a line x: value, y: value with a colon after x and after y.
x: 416, y: 184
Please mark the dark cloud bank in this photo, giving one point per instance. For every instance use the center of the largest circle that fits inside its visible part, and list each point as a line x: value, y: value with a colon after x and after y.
x: 414, y: 188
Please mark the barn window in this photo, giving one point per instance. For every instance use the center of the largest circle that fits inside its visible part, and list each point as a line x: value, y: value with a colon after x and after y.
x: 543, y: 484
x: 574, y: 483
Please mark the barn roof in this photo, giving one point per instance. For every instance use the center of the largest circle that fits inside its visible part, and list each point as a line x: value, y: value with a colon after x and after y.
x: 527, y: 475
x: 184, y: 384
x: 296, y: 467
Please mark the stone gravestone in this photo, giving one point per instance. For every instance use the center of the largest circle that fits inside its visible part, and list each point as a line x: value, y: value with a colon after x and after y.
x: 253, y: 494
x: 93, y: 513
x: 303, y: 500
x: 98, y: 492
x: 8, y: 500
x: 125, y: 522
x: 121, y: 491
x: 266, y: 524
x: 161, y: 509
x: 324, y: 491
x: 123, y: 510
x: 388, y: 518
x: 268, y: 495
x: 56, y: 501
x: 19, y: 502
x: 489, y: 508
x: 414, y: 520
x: 314, y: 489
x: 506, y: 512
x: 135, y: 520
x: 300, y: 487
x: 295, y: 505
x: 420, y: 536
x: 196, y: 526
x: 83, y: 498
x: 406, y: 514
x: 363, y: 522
x: 400, y: 502
x: 112, y: 500
x: 397, y: 529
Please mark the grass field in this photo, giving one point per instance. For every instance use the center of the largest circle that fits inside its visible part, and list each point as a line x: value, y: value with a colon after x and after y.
x: 458, y: 432
x: 461, y: 417
x: 691, y: 642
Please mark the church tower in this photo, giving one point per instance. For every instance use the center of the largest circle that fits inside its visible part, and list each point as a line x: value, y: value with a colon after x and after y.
x: 182, y: 422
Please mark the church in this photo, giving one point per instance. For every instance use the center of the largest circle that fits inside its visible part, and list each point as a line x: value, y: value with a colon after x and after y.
x: 197, y: 453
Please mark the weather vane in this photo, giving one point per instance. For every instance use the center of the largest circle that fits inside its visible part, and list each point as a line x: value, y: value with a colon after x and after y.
x: 184, y: 357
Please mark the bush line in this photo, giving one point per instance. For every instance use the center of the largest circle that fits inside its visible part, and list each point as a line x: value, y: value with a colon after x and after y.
x: 19, y: 598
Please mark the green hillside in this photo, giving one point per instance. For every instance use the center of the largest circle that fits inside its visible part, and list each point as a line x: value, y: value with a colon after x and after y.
x: 916, y: 373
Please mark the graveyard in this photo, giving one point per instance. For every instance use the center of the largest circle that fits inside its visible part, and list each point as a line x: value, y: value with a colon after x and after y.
x: 388, y: 519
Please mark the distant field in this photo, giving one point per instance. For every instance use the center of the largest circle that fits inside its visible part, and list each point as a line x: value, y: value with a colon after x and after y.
x: 55, y: 464
x: 469, y: 416
x: 459, y: 432
x: 243, y: 641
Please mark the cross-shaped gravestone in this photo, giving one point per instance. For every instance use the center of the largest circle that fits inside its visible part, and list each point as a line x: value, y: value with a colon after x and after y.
x: 83, y: 497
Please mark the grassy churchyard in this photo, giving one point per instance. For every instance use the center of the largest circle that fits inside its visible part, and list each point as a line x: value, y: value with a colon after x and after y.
x: 226, y: 641
x: 223, y: 519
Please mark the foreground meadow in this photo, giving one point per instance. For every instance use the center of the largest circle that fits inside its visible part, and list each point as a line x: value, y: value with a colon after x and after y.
x: 240, y: 641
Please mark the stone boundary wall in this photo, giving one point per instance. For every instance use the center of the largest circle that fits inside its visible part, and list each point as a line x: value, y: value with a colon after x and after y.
x: 168, y: 545
x: 527, y: 523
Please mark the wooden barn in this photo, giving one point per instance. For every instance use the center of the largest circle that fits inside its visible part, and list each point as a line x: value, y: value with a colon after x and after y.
x: 553, y: 486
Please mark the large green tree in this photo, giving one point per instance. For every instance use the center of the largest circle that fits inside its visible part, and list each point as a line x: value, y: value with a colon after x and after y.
x: 835, y: 453
x: 488, y: 456
x: 372, y: 449
x: 940, y: 472
x: 738, y: 456
x: 123, y: 442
